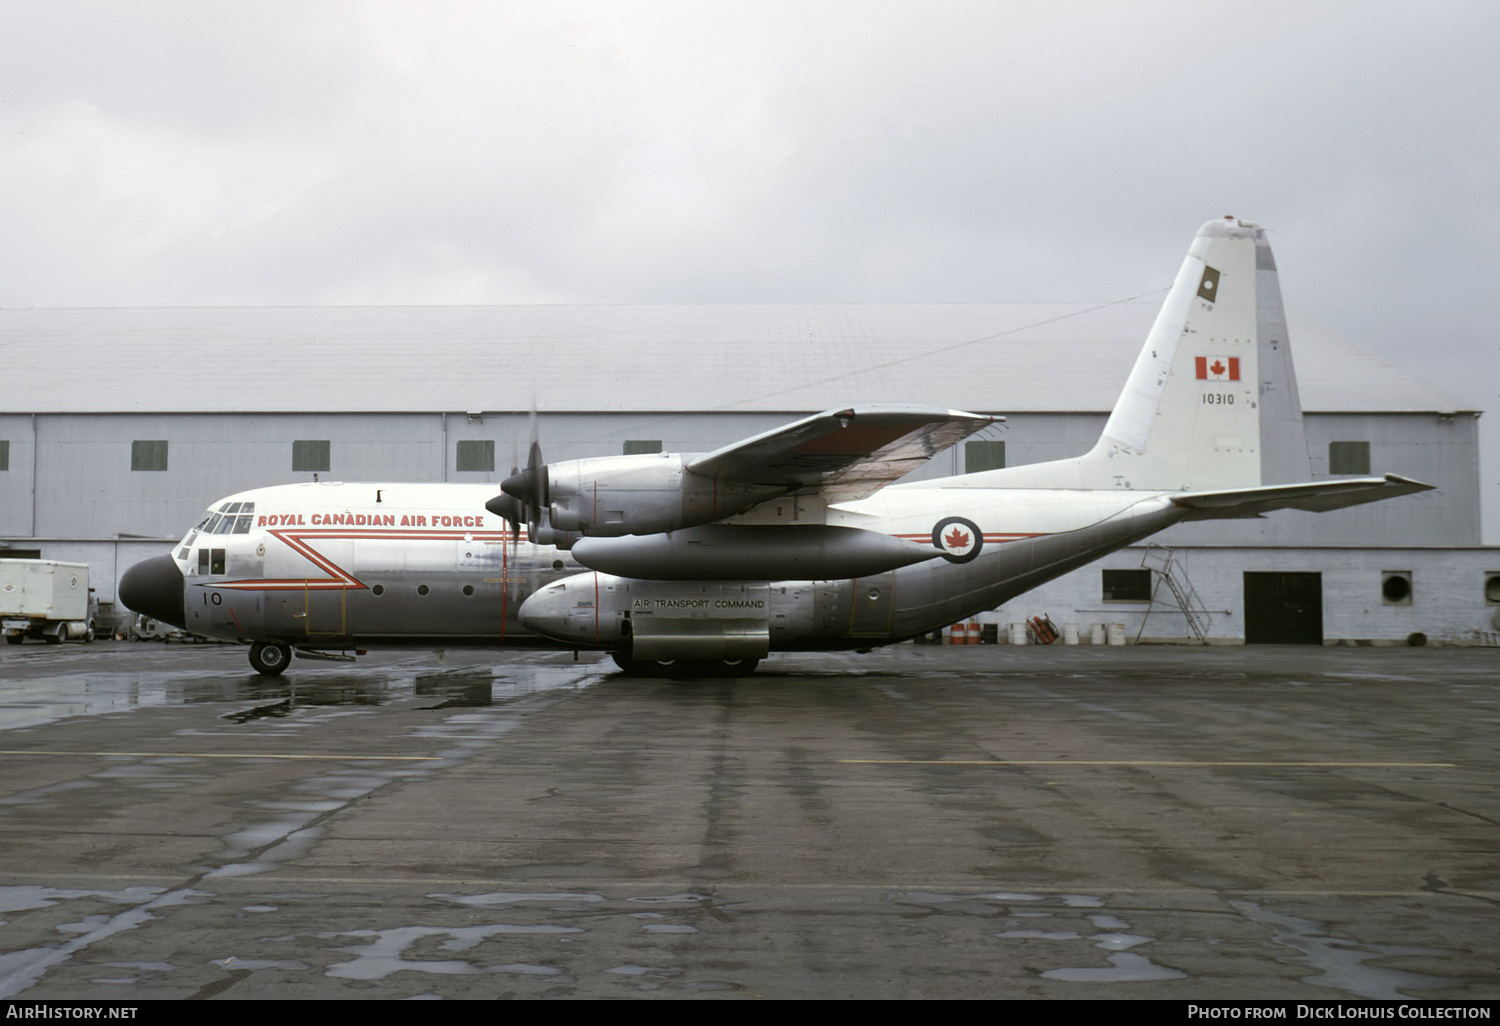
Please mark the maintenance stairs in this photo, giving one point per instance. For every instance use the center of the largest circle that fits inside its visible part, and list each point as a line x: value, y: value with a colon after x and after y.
x: 1162, y: 562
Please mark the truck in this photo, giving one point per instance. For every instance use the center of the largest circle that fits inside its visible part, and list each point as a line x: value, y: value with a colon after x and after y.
x: 46, y: 599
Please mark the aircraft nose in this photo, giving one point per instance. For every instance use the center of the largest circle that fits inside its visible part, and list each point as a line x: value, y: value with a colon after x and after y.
x: 154, y: 587
x: 542, y: 613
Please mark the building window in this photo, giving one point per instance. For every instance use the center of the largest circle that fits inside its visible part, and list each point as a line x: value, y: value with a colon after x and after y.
x: 642, y: 446
x: 476, y: 456
x: 1127, y: 585
x: 150, y: 455
x: 310, y: 455
x: 4, y: 455
x: 983, y: 456
x: 1348, y: 457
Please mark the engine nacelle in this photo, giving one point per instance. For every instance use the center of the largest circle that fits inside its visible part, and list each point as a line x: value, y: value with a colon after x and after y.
x: 716, y: 552
x: 611, y: 496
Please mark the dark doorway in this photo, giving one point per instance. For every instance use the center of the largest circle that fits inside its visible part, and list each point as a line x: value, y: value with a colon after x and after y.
x: 1283, y: 609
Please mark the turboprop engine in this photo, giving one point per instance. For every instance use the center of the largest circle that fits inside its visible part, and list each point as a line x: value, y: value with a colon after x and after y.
x: 612, y: 496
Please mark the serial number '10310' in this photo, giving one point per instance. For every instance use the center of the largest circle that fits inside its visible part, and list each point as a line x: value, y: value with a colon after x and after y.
x: 1218, y: 398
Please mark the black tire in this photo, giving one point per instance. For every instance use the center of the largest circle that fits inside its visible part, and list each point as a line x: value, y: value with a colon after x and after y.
x: 89, y: 635
x: 737, y: 667
x: 656, y: 667
x: 53, y: 637
x: 15, y: 639
x: 270, y: 659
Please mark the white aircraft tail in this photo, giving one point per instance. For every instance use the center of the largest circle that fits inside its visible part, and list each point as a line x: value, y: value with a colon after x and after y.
x: 1211, y: 402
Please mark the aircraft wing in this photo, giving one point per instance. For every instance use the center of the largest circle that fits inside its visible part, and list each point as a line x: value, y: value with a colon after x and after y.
x: 846, y: 454
x: 1314, y: 496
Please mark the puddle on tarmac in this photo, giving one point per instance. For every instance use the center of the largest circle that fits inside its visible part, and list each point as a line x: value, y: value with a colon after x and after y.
x: 480, y: 678
x: 1342, y: 964
x: 1109, y: 933
x: 387, y: 951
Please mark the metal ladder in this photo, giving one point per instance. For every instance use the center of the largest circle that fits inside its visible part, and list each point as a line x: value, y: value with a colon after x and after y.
x: 1162, y: 560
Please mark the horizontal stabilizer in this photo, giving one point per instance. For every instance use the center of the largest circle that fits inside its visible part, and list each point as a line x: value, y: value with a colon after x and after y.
x: 846, y: 454
x: 1314, y: 496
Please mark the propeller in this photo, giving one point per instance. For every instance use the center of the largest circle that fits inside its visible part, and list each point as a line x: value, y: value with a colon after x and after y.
x: 525, y: 494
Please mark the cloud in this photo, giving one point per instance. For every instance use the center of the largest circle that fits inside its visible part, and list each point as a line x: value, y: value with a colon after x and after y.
x: 294, y: 153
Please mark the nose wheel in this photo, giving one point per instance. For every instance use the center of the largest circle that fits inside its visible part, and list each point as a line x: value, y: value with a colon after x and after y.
x: 270, y: 658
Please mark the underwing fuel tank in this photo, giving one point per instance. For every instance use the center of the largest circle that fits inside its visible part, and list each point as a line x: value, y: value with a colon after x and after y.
x: 719, y: 552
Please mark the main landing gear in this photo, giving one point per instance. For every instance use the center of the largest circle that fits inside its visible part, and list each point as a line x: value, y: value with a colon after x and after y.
x: 685, y: 667
x: 270, y: 658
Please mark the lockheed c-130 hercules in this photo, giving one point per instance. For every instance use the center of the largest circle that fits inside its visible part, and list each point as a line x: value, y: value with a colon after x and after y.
x: 797, y: 538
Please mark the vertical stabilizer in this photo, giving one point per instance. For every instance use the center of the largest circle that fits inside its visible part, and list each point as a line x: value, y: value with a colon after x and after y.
x: 1211, y: 402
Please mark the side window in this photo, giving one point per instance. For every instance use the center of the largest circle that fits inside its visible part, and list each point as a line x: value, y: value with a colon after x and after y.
x: 642, y: 446
x: 476, y: 455
x: 4, y: 454
x: 1348, y: 457
x: 148, y: 455
x: 310, y: 455
x: 983, y: 456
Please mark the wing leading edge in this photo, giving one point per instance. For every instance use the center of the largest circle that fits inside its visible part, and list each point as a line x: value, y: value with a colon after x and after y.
x: 845, y: 454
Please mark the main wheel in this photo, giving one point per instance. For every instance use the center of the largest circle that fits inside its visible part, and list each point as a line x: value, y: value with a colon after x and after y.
x: 654, y: 667
x: 15, y: 639
x: 685, y: 667
x: 737, y: 667
x: 270, y: 658
x: 646, y: 667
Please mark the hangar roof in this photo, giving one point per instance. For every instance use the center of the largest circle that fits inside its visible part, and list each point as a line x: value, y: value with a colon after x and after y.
x: 988, y: 357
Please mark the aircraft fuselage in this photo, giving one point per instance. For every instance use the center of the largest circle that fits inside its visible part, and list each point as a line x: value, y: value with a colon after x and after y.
x: 333, y: 567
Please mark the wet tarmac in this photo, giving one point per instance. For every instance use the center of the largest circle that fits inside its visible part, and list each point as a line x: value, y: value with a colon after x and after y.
x: 989, y: 821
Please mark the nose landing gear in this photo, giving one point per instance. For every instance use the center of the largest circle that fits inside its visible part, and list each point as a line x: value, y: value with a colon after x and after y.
x: 270, y: 658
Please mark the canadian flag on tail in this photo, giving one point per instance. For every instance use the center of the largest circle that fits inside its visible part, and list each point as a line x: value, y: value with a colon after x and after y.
x: 1218, y: 368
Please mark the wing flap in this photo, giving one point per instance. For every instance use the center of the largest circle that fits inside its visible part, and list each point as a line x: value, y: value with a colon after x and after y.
x: 1313, y: 496
x: 845, y: 454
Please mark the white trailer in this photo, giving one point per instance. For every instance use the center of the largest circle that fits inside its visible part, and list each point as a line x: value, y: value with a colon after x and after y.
x: 42, y: 598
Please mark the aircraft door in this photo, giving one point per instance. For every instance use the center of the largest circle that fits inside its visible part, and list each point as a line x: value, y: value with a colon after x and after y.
x: 325, y: 610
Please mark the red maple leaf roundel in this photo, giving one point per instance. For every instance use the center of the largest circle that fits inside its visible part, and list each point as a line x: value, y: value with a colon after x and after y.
x: 956, y: 539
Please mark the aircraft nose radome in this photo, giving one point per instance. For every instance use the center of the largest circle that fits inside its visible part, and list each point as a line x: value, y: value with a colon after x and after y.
x: 544, y: 613
x: 154, y: 587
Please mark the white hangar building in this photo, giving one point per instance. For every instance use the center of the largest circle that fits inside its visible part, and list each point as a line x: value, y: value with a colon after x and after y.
x: 118, y: 427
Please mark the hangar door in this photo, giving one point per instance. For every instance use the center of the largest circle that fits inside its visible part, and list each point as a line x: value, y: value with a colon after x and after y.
x: 1283, y: 608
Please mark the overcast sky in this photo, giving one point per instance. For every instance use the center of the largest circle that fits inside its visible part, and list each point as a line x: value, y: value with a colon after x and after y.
x: 206, y: 153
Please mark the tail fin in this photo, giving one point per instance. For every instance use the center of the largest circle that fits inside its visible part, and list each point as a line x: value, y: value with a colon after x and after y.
x: 1211, y: 402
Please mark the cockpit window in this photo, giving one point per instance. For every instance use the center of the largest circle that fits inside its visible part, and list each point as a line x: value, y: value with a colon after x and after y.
x: 230, y: 518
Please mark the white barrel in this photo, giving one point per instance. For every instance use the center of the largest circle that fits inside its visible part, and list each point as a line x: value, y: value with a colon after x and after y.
x: 1096, y: 634
x: 1017, y: 634
x: 1070, y: 634
x: 1117, y: 634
